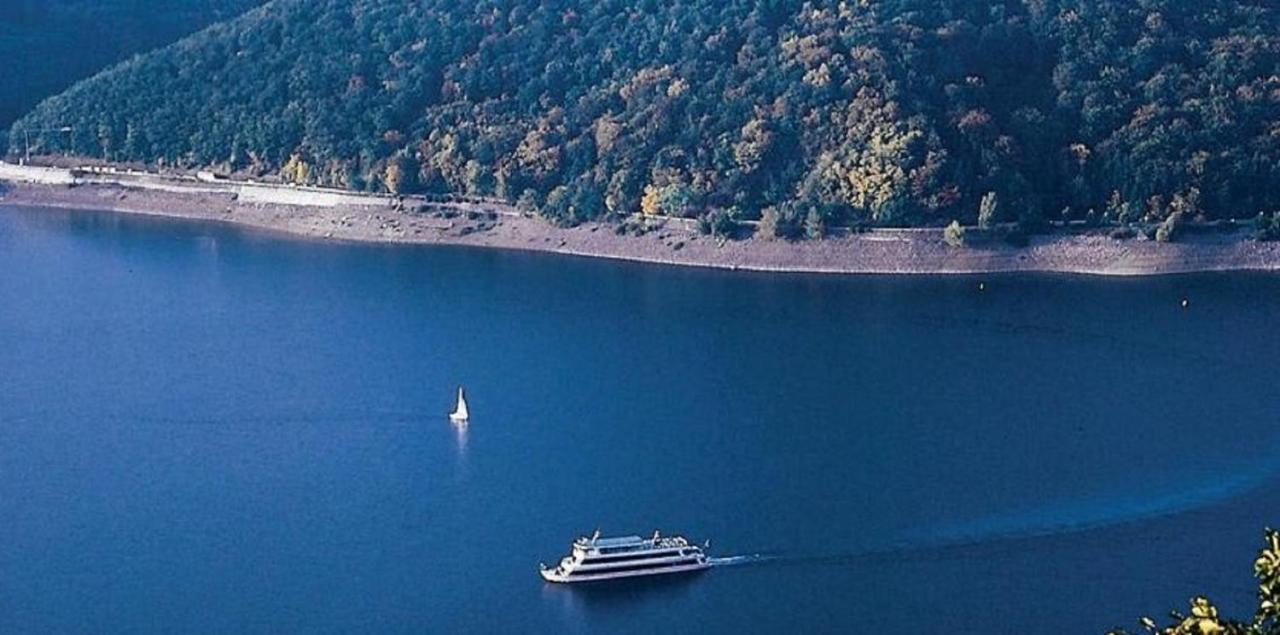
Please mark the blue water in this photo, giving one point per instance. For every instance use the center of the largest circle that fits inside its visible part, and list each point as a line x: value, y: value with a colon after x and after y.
x: 204, y: 429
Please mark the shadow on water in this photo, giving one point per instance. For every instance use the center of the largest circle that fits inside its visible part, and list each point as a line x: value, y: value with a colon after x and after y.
x: 608, y: 595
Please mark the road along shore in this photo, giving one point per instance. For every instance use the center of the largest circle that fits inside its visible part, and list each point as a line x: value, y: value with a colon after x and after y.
x: 321, y: 214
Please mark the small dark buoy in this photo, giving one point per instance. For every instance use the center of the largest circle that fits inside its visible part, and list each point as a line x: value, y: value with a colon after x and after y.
x: 1186, y: 303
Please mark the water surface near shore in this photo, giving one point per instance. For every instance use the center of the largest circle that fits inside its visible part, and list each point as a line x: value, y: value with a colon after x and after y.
x: 203, y: 428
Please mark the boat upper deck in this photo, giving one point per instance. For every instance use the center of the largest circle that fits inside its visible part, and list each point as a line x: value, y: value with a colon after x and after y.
x: 621, y: 541
x: 629, y: 543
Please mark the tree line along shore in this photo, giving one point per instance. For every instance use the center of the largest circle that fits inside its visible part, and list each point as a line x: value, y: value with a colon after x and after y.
x: 793, y: 115
x: 336, y: 215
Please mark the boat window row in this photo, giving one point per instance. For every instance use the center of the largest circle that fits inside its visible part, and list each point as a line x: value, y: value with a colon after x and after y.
x: 645, y: 555
x: 633, y: 567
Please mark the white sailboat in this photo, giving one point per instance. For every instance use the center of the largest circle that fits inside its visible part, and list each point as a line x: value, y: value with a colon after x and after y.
x: 461, y: 414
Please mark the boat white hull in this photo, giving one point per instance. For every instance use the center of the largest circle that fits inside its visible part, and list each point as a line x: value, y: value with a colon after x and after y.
x: 551, y: 575
x: 459, y: 419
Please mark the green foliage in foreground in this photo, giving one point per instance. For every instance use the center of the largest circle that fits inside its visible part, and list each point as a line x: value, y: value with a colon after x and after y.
x: 1204, y: 618
x: 894, y: 112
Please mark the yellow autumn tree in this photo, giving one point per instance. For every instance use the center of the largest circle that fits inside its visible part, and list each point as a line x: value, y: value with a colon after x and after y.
x: 651, y: 201
x: 754, y: 144
x: 296, y: 170
x: 1204, y: 619
x: 393, y: 177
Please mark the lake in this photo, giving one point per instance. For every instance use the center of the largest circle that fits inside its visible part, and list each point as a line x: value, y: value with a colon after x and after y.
x: 205, y: 429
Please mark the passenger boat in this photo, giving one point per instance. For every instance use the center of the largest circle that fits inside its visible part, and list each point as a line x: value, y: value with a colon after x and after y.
x: 461, y: 414
x: 596, y: 558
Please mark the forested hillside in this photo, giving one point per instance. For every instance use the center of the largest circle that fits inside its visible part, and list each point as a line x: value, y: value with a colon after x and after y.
x: 893, y: 112
x: 47, y: 45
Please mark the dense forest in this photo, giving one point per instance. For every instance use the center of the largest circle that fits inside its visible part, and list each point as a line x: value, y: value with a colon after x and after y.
x: 893, y: 112
x: 47, y: 45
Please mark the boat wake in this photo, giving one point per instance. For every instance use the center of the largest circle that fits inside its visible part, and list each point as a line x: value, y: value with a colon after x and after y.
x: 743, y: 560
x: 1106, y: 512
x: 1000, y: 532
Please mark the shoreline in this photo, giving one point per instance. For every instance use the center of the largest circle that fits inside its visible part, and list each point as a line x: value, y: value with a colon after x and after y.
x: 496, y: 226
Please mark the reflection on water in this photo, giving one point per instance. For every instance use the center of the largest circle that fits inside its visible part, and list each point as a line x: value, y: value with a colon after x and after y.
x: 461, y: 434
x: 460, y: 431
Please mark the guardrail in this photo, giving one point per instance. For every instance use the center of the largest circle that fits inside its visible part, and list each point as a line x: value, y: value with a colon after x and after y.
x: 251, y: 191
x: 32, y: 174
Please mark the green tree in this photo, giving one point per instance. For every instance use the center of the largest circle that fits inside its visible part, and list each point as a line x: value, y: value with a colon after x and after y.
x: 672, y: 199
x: 1167, y: 231
x: 1119, y: 210
x: 621, y: 196
x: 676, y: 200
x: 756, y: 141
x: 528, y: 201
x: 559, y: 204
x: 988, y: 210
x: 769, y: 222
x: 401, y: 175
x: 1266, y: 227
x: 904, y: 112
x: 718, y: 223
x: 815, y: 225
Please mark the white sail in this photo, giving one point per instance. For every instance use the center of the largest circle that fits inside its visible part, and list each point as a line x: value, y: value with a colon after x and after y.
x: 460, y: 413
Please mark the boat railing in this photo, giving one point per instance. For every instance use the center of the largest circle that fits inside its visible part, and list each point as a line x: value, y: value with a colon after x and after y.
x: 586, y: 543
x: 672, y: 541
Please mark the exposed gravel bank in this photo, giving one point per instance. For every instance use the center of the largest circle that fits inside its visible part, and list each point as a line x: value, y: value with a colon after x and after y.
x: 909, y: 252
